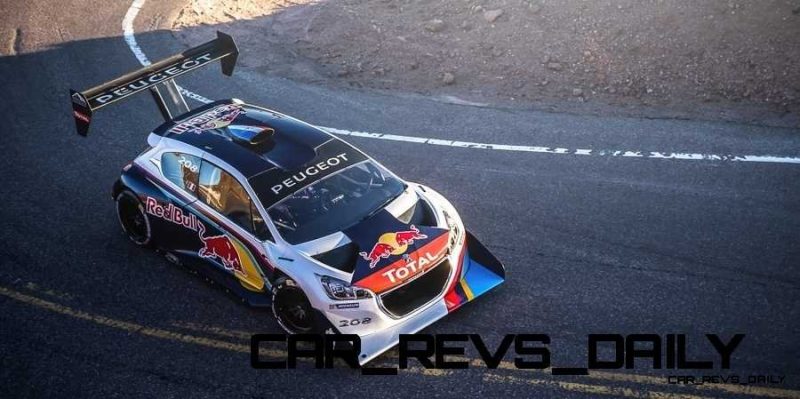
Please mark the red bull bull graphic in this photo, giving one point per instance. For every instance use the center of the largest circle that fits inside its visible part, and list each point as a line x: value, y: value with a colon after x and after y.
x: 392, y: 244
x: 218, y: 247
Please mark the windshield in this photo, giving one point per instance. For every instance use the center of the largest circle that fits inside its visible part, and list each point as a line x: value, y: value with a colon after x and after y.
x: 335, y: 202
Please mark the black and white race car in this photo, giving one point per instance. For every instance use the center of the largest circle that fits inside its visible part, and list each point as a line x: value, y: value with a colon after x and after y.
x: 286, y: 215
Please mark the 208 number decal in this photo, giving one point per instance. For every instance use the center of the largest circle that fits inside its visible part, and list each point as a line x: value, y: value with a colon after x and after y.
x: 354, y: 322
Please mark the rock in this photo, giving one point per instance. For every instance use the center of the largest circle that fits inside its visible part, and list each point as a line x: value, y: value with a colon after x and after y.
x: 554, y: 66
x: 535, y: 8
x: 342, y: 72
x: 448, y: 78
x: 434, y: 25
x: 545, y: 59
x: 492, y: 15
x: 577, y: 92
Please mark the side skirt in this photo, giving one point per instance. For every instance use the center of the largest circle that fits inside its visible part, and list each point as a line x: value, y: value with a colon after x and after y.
x: 215, y: 275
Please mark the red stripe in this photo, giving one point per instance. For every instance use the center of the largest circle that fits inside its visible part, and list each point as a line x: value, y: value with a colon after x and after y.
x: 452, y: 299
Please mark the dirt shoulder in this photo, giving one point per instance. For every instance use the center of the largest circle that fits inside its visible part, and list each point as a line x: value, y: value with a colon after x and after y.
x: 729, y: 60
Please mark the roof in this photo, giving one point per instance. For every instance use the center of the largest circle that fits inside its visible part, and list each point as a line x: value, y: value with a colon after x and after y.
x: 222, y: 128
x: 265, y: 146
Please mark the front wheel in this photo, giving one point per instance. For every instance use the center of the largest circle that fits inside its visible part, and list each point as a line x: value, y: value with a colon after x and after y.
x: 292, y: 308
x: 132, y: 217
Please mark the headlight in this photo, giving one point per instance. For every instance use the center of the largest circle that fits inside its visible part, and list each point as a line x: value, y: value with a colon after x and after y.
x: 454, y: 227
x: 340, y: 290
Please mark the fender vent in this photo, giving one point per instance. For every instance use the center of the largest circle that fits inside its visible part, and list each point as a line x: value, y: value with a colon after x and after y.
x: 342, y: 258
x: 419, y: 214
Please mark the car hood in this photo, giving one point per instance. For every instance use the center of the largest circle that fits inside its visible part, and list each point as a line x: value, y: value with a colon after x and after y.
x: 391, y: 252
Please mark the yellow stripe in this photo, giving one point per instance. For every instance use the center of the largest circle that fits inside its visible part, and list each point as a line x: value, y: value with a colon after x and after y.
x: 130, y: 327
x: 252, y: 279
x: 466, y: 289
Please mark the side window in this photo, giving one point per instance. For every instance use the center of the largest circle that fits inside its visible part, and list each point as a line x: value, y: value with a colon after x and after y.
x: 181, y: 169
x: 221, y: 191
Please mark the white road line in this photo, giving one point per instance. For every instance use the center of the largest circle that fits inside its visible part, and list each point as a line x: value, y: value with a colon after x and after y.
x: 130, y: 39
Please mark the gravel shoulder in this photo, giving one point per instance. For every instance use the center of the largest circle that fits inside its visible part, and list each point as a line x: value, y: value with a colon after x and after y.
x: 718, y: 60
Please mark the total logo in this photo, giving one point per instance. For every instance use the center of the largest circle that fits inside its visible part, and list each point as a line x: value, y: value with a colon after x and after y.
x: 410, y: 265
x: 392, y: 244
x: 411, y: 268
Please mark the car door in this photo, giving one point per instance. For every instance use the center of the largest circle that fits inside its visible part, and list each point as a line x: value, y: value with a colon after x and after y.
x: 179, y: 226
x: 233, y: 230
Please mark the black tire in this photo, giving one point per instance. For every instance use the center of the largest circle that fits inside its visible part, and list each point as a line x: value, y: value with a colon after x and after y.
x: 133, y: 218
x: 291, y: 308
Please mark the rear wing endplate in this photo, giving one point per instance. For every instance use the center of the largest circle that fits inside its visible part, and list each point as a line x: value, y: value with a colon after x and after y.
x: 157, y: 77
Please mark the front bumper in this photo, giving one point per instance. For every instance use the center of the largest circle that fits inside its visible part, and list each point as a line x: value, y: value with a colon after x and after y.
x: 478, y: 272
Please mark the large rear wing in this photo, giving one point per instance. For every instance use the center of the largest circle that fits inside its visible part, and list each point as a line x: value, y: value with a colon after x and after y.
x: 157, y: 77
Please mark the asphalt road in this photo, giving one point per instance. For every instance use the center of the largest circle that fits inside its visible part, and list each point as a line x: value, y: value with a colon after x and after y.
x: 591, y: 243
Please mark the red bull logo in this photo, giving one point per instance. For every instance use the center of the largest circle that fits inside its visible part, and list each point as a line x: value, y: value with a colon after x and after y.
x: 424, y: 258
x: 221, y: 248
x: 172, y: 213
x: 217, y: 247
x: 392, y: 244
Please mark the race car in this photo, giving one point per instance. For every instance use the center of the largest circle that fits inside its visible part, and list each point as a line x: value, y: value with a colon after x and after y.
x: 286, y: 215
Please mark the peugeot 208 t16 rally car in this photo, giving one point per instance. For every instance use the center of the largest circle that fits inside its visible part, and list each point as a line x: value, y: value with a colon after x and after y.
x: 286, y: 215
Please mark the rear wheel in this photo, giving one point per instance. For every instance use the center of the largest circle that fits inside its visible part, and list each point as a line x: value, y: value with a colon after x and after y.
x: 292, y: 308
x: 133, y: 218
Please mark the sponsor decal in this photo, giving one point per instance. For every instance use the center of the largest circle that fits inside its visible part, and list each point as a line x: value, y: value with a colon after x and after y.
x: 392, y: 244
x: 172, y: 214
x: 215, y: 118
x: 350, y: 305
x: 221, y: 248
x: 150, y: 80
x: 216, y: 247
x: 408, y: 267
x: 310, y: 171
x: 412, y: 268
